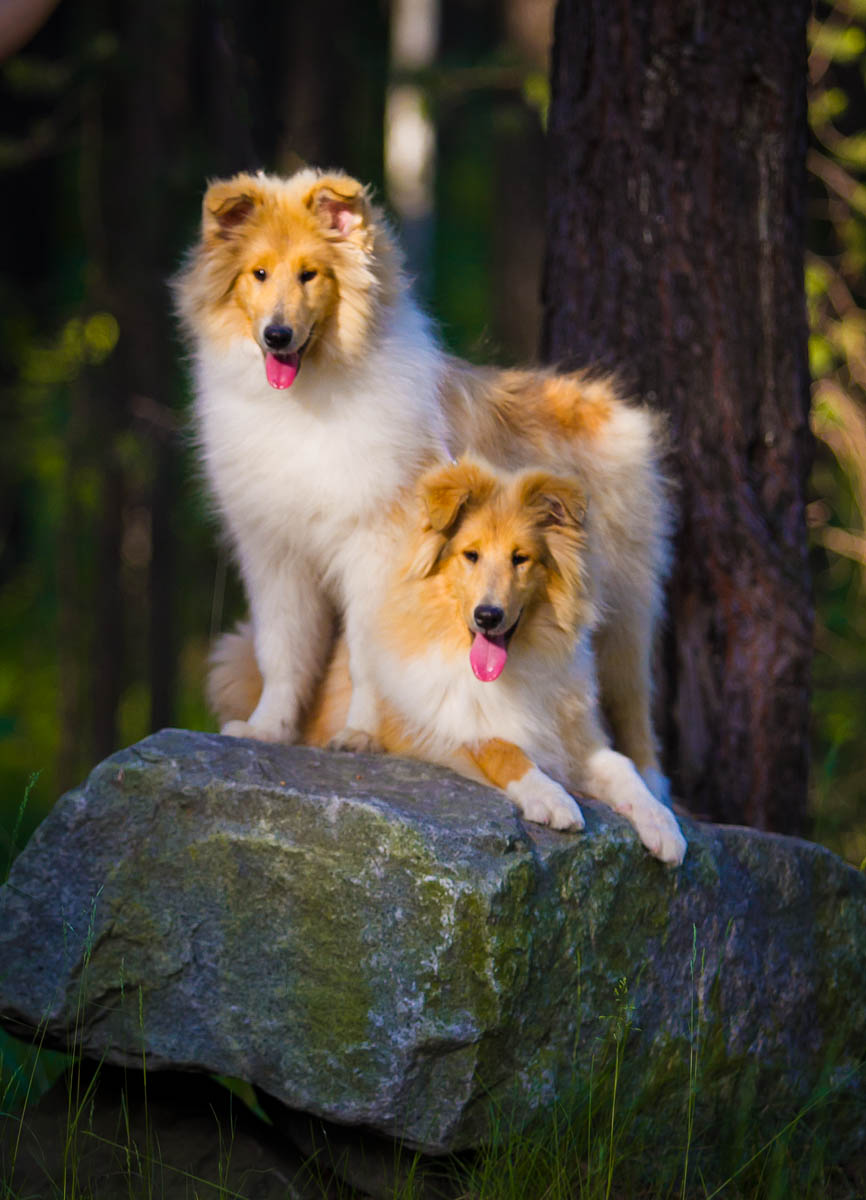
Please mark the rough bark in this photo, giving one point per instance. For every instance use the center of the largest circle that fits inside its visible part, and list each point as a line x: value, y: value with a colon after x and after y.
x: 677, y: 149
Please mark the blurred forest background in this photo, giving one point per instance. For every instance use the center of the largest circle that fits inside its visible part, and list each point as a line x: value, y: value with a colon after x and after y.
x: 112, y: 580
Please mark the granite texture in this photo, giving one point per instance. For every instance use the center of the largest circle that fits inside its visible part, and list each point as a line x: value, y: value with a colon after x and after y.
x: 383, y: 944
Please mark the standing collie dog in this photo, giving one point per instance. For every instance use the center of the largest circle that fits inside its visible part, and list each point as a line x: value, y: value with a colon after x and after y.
x: 323, y: 394
x: 482, y: 651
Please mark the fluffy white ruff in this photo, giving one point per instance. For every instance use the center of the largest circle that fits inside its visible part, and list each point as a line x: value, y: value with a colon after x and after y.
x: 304, y: 480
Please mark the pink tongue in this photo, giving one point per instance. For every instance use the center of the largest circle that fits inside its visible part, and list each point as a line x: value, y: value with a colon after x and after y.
x: 281, y: 371
x: 487, y: 657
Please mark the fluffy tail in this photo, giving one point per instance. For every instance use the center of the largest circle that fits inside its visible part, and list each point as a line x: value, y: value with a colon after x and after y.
x: 234, y: 682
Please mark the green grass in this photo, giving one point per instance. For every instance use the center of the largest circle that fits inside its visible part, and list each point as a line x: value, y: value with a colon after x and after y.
x: 608, y: 1137
x: 603, y: 1139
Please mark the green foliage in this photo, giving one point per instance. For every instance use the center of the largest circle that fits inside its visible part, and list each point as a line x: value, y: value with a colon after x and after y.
x: 95, y: 461
x: 599, y: 1141
x: 838, y: 42
x: 75, y: 408
x: 836, y: 298
x: 26, y: 1073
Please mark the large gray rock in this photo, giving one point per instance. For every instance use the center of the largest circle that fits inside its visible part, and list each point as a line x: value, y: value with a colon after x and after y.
x: 381, y: 943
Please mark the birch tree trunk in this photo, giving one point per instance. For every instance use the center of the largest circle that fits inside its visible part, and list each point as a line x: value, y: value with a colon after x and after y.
x: 676, y: 192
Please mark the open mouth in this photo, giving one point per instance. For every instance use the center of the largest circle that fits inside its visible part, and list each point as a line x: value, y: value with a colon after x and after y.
x: 282, y: 368
x: 489, y: 652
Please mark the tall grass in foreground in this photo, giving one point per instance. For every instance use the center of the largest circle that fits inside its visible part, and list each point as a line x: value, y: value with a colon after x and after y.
x: 606, y: 1139
x: 603, y: 1139
x: 608, y: 1136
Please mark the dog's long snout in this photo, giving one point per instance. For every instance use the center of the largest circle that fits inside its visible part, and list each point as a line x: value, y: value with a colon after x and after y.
x: 277, y: 337
x: 488, y: 616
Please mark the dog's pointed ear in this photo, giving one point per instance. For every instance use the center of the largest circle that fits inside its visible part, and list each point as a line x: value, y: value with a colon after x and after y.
x: 446, y: 491
x: 228, y: 204
x: 340, y: 203
x: 557, y: 501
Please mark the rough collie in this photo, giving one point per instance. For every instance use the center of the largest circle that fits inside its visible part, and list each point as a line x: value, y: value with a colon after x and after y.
x: 323, y: 394
x: 482, y: 652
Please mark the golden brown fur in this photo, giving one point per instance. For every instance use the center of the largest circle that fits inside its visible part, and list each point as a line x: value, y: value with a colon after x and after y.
x: 469, y: 510
x: 433, y: 590
x: 517, y: 542
x: 308, y: 480
x: 254, y: 222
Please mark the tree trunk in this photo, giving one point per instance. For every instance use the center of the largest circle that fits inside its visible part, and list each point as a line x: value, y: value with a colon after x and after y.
x: 675, y: 216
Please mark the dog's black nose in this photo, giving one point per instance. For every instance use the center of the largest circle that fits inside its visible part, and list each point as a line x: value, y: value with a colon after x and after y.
x: 488, y: 616
x: 278, y: 337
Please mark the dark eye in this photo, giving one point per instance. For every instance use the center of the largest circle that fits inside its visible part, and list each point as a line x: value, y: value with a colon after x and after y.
x: 517, y: 558
x: 470, y: 555
x: 306, y: 276
x: 260, y: 274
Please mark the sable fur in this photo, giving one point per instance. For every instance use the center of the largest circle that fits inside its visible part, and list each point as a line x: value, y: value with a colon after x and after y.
x: 474, y: 536
x: 310, y: 480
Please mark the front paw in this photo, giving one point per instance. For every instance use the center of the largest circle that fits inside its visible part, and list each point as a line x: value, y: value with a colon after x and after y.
x: 660, y: 833
x: 356, y: 741
x: 544, y: 801
x: 259, y: 733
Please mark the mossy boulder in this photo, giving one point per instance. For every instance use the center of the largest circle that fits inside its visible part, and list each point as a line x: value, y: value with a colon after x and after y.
x: 383, y: 944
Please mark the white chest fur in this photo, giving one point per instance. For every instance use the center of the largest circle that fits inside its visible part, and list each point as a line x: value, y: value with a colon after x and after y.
x: 448, y: 707
x: 301, y: 469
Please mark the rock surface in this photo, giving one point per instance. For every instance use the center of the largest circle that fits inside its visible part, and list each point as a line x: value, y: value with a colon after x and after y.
x: 383, y: 944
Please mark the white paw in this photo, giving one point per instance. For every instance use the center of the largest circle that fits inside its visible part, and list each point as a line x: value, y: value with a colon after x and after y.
x: 358, y: 741
x: 260, y: 733
x: 659, y: 831
x: 613, y: 779
x: 543, y: 800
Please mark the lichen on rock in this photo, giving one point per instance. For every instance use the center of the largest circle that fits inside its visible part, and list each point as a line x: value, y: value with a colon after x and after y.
x: 381, y: 943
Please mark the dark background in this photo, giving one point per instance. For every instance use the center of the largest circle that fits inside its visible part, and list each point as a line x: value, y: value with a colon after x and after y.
x: 111, y: 577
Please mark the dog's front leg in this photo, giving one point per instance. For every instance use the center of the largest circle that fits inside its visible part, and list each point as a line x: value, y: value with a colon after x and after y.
x: 360, y: 732
x: 539, y: 798
x: 292, y: 624
x: 357, y: 571
x: 623, y: 652
x: 612, y: 778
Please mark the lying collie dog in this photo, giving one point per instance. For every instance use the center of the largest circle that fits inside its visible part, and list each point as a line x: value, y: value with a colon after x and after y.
x: 483, y: 651
x: 322, y: 396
